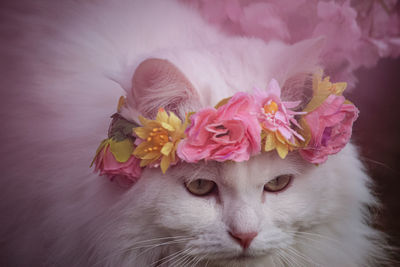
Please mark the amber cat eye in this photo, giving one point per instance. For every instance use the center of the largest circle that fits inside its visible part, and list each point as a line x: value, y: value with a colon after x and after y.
x: 200, y: 187
x: 278, y: 184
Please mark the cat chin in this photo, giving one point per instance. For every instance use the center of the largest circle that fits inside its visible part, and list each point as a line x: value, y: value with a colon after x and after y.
x: 241, y: 260
x: 249, y: 259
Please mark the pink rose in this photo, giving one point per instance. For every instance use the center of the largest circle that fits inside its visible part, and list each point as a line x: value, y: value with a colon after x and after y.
x: 126, y: 172
x: 330, y: 125
x: 230, y: 132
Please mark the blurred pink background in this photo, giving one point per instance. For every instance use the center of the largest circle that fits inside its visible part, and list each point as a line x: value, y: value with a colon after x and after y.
x: 377, y: 133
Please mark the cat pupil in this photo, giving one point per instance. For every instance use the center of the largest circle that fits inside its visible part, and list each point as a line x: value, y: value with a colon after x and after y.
x: 199, y: 184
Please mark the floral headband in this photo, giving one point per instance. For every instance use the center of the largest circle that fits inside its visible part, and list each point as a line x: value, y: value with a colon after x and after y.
x: 235, y: 129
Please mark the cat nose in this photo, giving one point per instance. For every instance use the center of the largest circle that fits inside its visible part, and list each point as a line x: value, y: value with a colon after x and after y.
x: 244, y: 239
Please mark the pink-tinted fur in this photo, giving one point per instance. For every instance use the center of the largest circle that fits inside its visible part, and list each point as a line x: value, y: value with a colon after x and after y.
x: 64, y: 66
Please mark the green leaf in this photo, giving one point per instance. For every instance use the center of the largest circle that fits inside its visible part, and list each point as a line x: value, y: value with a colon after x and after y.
x: 122, y: 151
x: 103, y: 143
x: 120, y: 128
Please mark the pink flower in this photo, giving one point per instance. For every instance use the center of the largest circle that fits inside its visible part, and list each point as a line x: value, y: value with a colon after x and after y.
x: 276, y: 115
x: 330, y: 125
x: 230, y: 132
x: 106, y: 164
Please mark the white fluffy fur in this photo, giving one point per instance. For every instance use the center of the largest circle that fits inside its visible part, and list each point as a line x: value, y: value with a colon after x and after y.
x: 64, y: 65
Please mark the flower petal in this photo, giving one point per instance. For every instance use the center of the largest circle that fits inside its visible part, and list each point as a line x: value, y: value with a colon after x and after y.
x: 282, y: 150
x: 174, y: 121
x: 121, y: 103
x: 141, y: 132
x: 165, y: 162
x: 269, y: 142
x: 273, y: 88
x: 222, y: 102
x: 167, y: 126
x: 151, y: 155
x: 102, y: 145
x: 139, y: 150
x: 162, y: 116
x: 143, y: 120
x: 145, y: 162
x: 166, y: 149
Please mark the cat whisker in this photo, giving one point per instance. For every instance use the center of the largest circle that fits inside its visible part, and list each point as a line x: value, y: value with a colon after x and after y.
x: 289, y: 259
x: 161, y: 238
x: 314, y: 237
x: 199, y: 259
x: 176, y: 255
x: 187, y: 261
x: 159, y: 245
x: 382, y: 164
x: 273, y: 261
x: 282, y: 259
x: 147, y: 246
x: 302, y: 256
x: 327, y: 238
x: 182, y: 257
x: 304, y: 240
x: 167, y: 257
x: 192, y: 260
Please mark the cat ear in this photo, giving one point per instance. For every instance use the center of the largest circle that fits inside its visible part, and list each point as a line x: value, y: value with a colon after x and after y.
x: 158, y: 83
x: 302, y: 61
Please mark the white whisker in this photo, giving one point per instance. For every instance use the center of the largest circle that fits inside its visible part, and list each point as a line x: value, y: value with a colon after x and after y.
x: 176, y: 256
x: 180, y: 259
x: 302, y: 256
x: 162, y: 244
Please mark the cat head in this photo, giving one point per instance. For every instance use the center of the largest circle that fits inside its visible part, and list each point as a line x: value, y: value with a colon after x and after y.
x: 227, y: 212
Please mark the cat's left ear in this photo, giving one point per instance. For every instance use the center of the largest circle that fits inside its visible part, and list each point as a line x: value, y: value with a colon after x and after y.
x: 300, y: 62
x: 158, y: 83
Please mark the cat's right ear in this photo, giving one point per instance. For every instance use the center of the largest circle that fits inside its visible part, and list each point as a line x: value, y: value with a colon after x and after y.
x: 158, y: 83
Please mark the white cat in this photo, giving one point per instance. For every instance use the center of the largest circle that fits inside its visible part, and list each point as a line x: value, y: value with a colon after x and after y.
x: 64, y: 65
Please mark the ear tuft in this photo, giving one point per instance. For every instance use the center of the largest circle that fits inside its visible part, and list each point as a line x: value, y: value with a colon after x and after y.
x: 159, y: 83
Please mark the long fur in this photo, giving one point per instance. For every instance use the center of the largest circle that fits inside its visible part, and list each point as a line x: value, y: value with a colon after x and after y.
x: 64, y: 65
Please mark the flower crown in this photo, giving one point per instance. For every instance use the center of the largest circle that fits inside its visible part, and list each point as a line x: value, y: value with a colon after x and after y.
x: 235, y: 129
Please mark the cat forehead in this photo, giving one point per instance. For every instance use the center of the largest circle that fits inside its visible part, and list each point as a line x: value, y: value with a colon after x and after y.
x: 257, y: 170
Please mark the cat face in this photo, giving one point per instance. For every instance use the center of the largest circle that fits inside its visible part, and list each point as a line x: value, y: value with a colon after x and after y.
x: 239, y: 218
x: 228, y: 213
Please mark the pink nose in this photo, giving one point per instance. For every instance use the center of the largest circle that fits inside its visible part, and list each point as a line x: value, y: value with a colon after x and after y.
x: 244, y: 239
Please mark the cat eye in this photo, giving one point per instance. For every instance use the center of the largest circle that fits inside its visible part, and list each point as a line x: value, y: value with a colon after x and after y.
x: 201, y: 187
x: 278, y: 184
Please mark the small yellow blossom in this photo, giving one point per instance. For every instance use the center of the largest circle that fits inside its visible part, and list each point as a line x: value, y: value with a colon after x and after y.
x: 160, y: 139
x: 322, y: 88
x: 274, y: 140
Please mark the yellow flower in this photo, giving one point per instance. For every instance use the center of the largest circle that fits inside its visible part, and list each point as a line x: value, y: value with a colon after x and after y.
x: 274, y: 140
x: 160, y: 139
x: 322, y: 89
